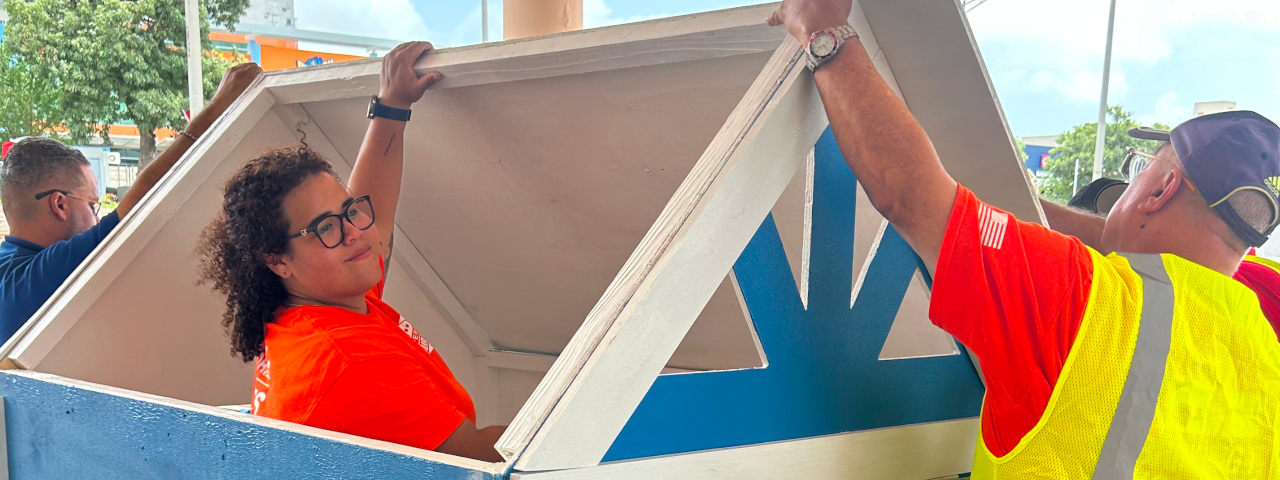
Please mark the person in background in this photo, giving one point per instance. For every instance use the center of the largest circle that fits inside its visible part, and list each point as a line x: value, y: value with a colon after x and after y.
x: 50, y: 198
x: 302, y: 259
x: 1150, y: 363
x: 1259, y: 274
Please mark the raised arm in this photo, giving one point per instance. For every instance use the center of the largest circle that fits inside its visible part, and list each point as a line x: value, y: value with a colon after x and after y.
x: 884, y: 145
x: 234, y: 83
x: 1078, y: 223
x: 380, y: 164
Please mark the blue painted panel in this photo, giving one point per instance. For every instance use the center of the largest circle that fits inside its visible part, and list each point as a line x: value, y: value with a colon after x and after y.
x: 1034, y: 154
x: 823, y: 374
x: 61, y: 432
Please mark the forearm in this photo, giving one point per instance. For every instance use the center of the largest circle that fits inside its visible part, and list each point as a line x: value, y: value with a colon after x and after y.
x: 378, y: 171
x: 887, y: 150
x: 156, y: 170
x: 1078, y: 223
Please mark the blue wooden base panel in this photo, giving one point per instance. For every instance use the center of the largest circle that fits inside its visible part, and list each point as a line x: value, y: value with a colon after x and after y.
x: 57, y: 430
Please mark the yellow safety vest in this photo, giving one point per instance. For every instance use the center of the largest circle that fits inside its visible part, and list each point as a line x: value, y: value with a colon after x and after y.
x: 1174, y: 373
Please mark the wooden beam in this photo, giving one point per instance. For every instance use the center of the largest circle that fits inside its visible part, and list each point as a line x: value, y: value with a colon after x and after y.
x: 668, y: 40
x: 51, y: 322
x: 913, y: 452
x: 406, y: 254
x: 624, y: 342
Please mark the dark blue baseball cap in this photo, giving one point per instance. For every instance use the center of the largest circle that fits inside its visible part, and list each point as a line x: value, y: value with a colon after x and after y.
x: 1226, y: 155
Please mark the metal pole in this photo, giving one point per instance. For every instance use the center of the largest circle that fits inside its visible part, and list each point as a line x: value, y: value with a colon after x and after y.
x: 1102, y: 106
x: 195, y: 78
x: 484, y: 21
x: 1075, y: 182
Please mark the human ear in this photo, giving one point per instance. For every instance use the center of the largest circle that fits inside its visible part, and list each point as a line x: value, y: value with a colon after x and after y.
x: 273, y: 261
x: 57, y: 204
x: 1162, y: 191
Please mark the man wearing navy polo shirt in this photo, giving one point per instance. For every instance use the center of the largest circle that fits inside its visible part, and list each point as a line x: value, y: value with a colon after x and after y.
x: 50, y: 198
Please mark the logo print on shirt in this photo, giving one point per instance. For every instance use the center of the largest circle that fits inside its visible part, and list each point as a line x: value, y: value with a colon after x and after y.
x: 991, y: 225
x: 1274, y: 184
x: 262, y: 375
x: 413, y: 333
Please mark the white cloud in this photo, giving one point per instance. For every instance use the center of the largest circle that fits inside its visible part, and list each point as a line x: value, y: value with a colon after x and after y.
x: 1079, y: 86
x: 595, y: 13
x: 1170, y: 110
x: 392, y: 19
x: 1062, y: 41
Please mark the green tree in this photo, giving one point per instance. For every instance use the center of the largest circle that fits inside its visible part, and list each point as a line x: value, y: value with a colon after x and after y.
x: 30, y: 103
x: 114, y: 60
x: 1079, y: 144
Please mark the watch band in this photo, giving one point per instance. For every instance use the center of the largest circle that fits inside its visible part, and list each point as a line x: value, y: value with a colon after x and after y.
x: 842, y: 33
x: 377, y: 109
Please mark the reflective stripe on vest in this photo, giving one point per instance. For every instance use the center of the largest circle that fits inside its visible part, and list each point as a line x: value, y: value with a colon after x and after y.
x: 1137, y: 407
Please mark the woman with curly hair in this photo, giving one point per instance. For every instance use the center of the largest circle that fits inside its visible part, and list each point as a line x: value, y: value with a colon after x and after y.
x: 301, y: 259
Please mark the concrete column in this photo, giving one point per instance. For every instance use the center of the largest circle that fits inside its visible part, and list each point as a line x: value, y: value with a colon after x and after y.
x: 528, y: 18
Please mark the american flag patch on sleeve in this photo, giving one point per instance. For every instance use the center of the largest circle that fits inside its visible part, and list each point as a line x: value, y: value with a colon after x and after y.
x: 991, y: 226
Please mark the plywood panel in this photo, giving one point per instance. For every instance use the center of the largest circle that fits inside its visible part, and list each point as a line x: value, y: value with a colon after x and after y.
x: 152, y: 329
x: 958, y: 109
x: 527, y: 197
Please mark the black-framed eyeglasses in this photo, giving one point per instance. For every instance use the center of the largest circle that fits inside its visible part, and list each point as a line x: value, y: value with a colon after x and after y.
x: 331, y: 228
x: 93, y: 204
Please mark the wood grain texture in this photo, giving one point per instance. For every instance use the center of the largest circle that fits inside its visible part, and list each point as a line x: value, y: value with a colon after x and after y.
x: 527, y: 197
x: 621, y: 347
x: 669, y: 40
x: 36, y: 339
x: 940, y: 73
x: 64, y: 428
x: 914, y: 452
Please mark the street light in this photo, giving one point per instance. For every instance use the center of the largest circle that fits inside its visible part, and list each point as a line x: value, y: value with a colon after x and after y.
x: 195, y: 78
x: 1102, y: 104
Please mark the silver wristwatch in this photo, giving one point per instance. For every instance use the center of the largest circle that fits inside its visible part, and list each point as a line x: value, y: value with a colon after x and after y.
x: 823, y: 44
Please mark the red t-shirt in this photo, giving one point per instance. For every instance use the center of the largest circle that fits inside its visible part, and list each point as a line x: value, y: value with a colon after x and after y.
x: 370, y: 375
x: 1014, y: 293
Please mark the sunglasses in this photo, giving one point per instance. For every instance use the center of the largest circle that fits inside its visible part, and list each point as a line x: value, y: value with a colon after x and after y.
x: 93, y: 204
x: 331, y: 228
x: 1136, y: 161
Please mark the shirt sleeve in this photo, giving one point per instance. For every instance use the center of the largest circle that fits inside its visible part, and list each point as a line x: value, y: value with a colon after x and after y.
x: 51, y: 266
x: 392, y: 400
x: 1014, y: 293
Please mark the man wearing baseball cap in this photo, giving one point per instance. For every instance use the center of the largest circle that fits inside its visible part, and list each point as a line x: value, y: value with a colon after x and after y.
x: 1259, y: 274
x: 1142, y: 358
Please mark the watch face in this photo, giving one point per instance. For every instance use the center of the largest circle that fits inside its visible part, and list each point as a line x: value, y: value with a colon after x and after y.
x: 823, y: 44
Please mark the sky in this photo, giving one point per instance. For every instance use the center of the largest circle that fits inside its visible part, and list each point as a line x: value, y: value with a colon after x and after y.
x: 1044, y: 56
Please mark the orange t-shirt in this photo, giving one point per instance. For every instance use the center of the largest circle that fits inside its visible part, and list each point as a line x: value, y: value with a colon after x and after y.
x: 369, y: 375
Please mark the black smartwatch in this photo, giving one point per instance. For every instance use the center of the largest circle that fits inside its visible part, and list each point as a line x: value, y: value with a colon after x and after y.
x: 379, y: 110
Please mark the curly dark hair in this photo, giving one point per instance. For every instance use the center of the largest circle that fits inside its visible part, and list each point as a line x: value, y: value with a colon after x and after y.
x: 251, y: 226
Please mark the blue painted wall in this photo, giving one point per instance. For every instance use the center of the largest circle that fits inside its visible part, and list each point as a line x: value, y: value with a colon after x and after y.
x: 1034, y: 153
x: 97, y: 164
x: 61, y: 432
x: 823, y: 374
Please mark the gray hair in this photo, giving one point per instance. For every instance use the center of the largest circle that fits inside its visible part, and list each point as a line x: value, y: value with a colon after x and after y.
x: 34, y: 163
x: 1253, y: 207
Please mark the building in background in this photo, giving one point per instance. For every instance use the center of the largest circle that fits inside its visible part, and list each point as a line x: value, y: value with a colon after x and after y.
x: 1205, y: 108
x: 268, y: 35
x: 1037, y: 150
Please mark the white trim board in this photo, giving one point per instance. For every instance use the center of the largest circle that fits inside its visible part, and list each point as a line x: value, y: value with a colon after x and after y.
x: 585, y: 400
x: 30, y: 344
x: 668, y: 40
x: 913, y: 452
